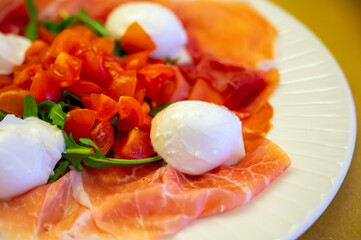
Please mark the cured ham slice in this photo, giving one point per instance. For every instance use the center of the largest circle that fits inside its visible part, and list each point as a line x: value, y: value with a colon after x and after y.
x: 143, y: 202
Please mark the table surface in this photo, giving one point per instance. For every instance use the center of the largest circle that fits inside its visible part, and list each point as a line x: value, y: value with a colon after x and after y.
x: 338, y: 24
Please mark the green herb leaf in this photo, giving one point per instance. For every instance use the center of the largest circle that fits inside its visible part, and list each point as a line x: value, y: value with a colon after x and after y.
x: 117, y: 51
x: 30, y: 107
x: 59, y: 171
x: 58, y: 27
x: 31, y: 30
x: 154, y: 111
x: 57, y: 115
x: 3, y: 115
x: 96, y: 26
x: 75, y: 153
x: 171, y: 61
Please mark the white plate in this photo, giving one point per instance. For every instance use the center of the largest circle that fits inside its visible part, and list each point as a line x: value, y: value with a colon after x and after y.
x: 314, y: 122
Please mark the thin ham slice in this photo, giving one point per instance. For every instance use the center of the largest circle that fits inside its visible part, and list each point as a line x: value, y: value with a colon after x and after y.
x: 143, y: 202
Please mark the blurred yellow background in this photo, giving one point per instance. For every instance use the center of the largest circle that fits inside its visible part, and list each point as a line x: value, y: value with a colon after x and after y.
x: 338, y: 24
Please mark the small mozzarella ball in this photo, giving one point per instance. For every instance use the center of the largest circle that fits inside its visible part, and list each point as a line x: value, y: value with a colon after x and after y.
x: 196, y: 137
x: 29, y: 151
x: 161, y: 24
x: 12, y: 51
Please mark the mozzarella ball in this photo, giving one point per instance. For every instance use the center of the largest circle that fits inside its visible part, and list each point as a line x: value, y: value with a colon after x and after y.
x: 12, y: 51
x: 29, y: 151
x: 196, y: 137
x: 161, y: 24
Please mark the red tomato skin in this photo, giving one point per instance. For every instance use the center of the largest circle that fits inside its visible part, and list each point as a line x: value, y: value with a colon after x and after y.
x: 93, y: 67
x: 123, y: 83
x: 130, y: 113
x: 84, y: 87
x: 66, y: 70
x: 43, y: 88
x: 71, y: 42
x: 103, y: 45
x: 133, y: 145
x: 37, y: 52
x: 79, y: 122
x: 104, y: 105
x: 23, y: 76
x: 102, y: 134
x: 136, y: 61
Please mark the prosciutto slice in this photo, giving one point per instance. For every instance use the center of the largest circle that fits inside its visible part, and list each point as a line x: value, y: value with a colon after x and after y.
x: 143, y: 202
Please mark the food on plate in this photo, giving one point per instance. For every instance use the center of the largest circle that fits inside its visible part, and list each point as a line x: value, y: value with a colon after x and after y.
x: 195, y: 137
x: 30, y: 148
x: 12, y: 51
x: 160, y: 23
x: 114, y: 103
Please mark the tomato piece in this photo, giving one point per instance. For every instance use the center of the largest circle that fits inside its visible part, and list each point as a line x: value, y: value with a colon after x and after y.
x: 140, y: 95
x: 84, y: 31
x: 43, y: 88
x: 130, y: 113
x: 5, y: 80
x: 136, y: 61
x: 102, y: 134
x: 66, y: 70
x: 23, y: 77
x: 104, y: 105
x: 37, y: 52
x: 123, y: 83
x: 134, y: 145
x: 45, y: 35
x: 79, y: 122
x: 12, y: 101
x: 70, y: 42
x: 203, y: 92
x: 147, y: 123
x: 135, y: 39
x: 93, y: 67
x: 174, y: 89
x: 84, y: 87
x: 103, y: 45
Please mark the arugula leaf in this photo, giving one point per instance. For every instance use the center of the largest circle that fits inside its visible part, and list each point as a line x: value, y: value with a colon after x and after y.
x: 118, y: 50
x: 171, y: 61
x: 75, y: 153
x: 30, y: 107
x: 52, y: 113
x: 59, y: 171
x: 96, y: 26
x: 58, y: 27
x: 156, y: 110
x: 3, y: 114
x: 57, y: 115
x: 31, y: 30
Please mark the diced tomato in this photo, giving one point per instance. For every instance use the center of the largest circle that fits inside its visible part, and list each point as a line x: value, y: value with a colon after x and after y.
x: 84, y: 87
x: 140, y: 95
x: 134, y: 145
x: 135, y: 39
x: 70, y: 42
x: 93, y: 67
x: 174, y: 89
x: 136, y: 61
x: 130, y: 113
x: 36, y: 52
x: 66, y: 70
x: 123, y: 83
x: 79, y: 122
x: 23, y: 77
x: 45, y: 35
x: 104, y: 105
x: 103, y: 44
x: 203, y: 92
x: 102, y: 134
x: 84, y: 31
x: 12, y: 101
x: 147, y: 123
x: 5, y: 80
x: 43, y: 88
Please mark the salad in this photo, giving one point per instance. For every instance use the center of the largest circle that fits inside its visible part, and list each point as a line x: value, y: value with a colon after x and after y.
x: 135, y: 127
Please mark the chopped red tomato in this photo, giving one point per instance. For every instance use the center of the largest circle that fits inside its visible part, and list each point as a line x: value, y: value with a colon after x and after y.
x: 66, y: 70
x: 43, y: 88
x: 135, y: 39
x: 45, y: 35
x: 84, y: 87
x: 203, y: 92
x: 123, y: 83
x: 130, y: 113
x: 102, y: 134
x: 23, y: 77
x: 36, y: 52
x: 5, y: 80
x: 104, y: 105
x: 103, y: 45
x: 79, y: 122
x: 12, y: 101
x: 70, y: 42
x: 93, y: 67
x: 136, y: 61
x: 135, y: 144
